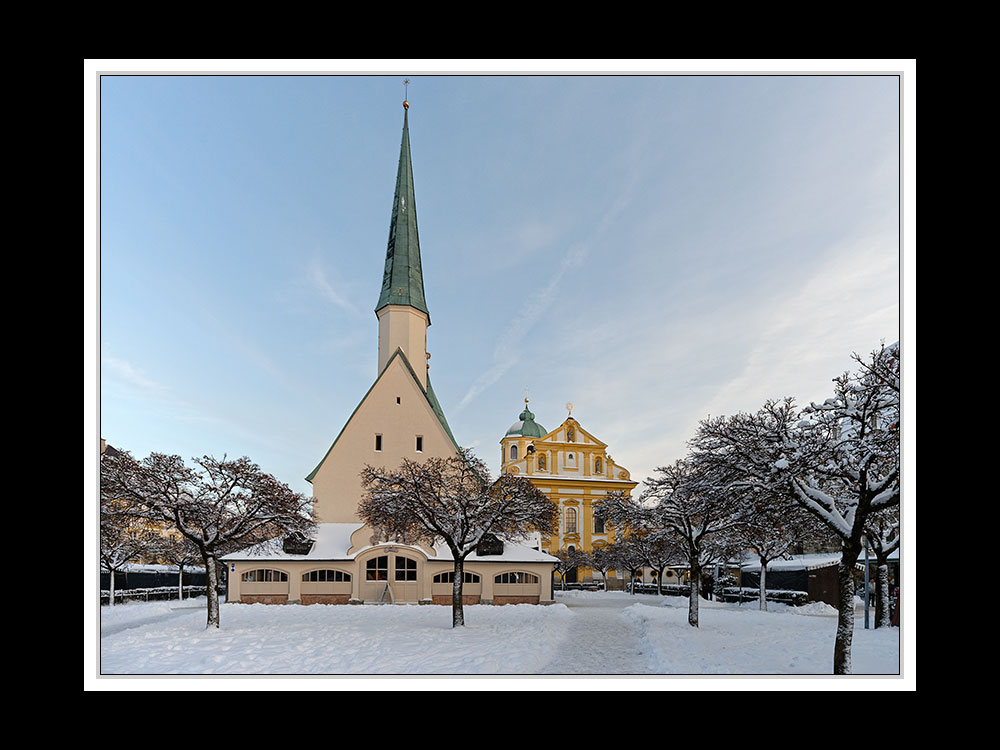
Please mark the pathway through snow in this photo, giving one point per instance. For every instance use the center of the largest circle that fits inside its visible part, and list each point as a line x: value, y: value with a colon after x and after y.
x: 598, y: 622
x: 117, y: 627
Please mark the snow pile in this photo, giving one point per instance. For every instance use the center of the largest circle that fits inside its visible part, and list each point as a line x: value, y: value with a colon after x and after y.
x: 814, y: 608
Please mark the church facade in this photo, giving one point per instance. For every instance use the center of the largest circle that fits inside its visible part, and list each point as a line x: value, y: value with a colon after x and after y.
x: 574, y: 470
x: 399, y: 417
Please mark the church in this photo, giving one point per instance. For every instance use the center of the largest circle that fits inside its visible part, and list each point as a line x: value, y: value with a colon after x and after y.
x: 573, y: 469
x: 399, y: 417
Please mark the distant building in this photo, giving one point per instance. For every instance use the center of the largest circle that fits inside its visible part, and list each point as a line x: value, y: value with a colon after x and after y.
x: 574, y: 470
x: 158, y: 527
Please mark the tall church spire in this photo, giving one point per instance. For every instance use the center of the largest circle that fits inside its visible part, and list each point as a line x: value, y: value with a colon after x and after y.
x: 402, y: 311
x: 403, y: 281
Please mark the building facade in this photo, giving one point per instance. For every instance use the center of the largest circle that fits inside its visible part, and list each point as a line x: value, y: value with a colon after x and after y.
x: 573, y: 468
x: 398, y: 418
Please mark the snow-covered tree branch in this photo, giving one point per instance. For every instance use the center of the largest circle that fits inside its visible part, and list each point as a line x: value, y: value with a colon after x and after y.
x: 452, y: 500
x: 838, y: 460
x: 219, y: 505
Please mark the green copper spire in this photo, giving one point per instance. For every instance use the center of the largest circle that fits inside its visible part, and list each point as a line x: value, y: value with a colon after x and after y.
x: 403, y: 281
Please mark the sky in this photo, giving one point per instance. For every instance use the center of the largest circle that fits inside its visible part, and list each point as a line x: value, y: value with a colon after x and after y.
x: 654, y: 249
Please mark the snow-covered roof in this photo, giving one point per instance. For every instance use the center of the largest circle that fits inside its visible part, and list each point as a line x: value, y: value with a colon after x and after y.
x: 511, y: 553
x: 797, y: 562
x: 333, y: 540
x: 808, y: 562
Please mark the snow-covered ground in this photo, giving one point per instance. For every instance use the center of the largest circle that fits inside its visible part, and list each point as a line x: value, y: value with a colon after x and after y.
x: 583, y: 633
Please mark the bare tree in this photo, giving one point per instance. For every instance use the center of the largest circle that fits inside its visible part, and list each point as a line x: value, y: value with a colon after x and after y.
x: 604, y: 560
x: 631, y: 521
x: 883, y: 536
x: 772, y: 527
x: 622, y: 511
x: 124, y: 539
x: 569, y: 560
x: 659, y: 549
x: 454, y: 501
x: 630, y: 554
x: 699, y: 509
x: 183, y: 553
x: 220, y: 506
x: 839, y: 460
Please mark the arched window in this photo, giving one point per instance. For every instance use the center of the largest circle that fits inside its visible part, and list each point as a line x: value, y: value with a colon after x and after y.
x: 516, y: 577
x: 264, y: 575
x: 326, y: 576
x: 541, y: 462
x: 449, y: 577
x: 570, y: 520
x: 513, y: 452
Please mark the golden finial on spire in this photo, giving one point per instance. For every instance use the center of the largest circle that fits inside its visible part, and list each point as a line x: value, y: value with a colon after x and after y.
x: 526, y: 399
x: 406, y: 93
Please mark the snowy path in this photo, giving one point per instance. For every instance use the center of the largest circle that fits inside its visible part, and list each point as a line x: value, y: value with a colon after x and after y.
x: 600, y: 639
x: 117, y: 625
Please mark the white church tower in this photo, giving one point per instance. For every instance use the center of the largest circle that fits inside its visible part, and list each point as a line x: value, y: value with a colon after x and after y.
x: 400, y: 416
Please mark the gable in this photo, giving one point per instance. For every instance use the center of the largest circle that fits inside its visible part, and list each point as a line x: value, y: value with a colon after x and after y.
x: 397, y: 410
x: 582, y: 437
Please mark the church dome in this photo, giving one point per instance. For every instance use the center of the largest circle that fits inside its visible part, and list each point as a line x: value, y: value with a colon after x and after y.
x: 526, y: 427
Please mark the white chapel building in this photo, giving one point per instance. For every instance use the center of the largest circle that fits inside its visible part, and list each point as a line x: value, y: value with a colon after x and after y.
x: 399, y: 417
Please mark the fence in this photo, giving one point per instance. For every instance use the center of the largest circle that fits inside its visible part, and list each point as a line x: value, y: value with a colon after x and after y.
x: 782, y: 596
x: 150, y: 595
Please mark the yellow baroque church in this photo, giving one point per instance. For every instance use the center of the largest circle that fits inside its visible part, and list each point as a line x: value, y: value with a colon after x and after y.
x: 399, y: 417
x: 574, y: 470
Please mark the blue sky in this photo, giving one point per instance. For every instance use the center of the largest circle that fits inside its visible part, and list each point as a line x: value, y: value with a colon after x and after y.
x: 654, y: 249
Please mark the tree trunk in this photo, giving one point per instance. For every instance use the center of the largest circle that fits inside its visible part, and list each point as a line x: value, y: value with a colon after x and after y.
x: 457, y: 611
x: 763, y: 585
x: 659, y: 583
x: 212, y: 590
x: 180, y: 583
x: 882, y: 596
x: 845, y: 617
x: 111, y: 588
x: 693, y: 596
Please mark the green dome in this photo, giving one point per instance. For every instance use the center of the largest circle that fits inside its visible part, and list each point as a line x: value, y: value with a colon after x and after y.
x: 526, y: 427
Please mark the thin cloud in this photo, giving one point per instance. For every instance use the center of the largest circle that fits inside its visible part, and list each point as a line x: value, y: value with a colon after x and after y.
x: 126, y: 372
x: 505, y: 353
x: 318, y: 279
